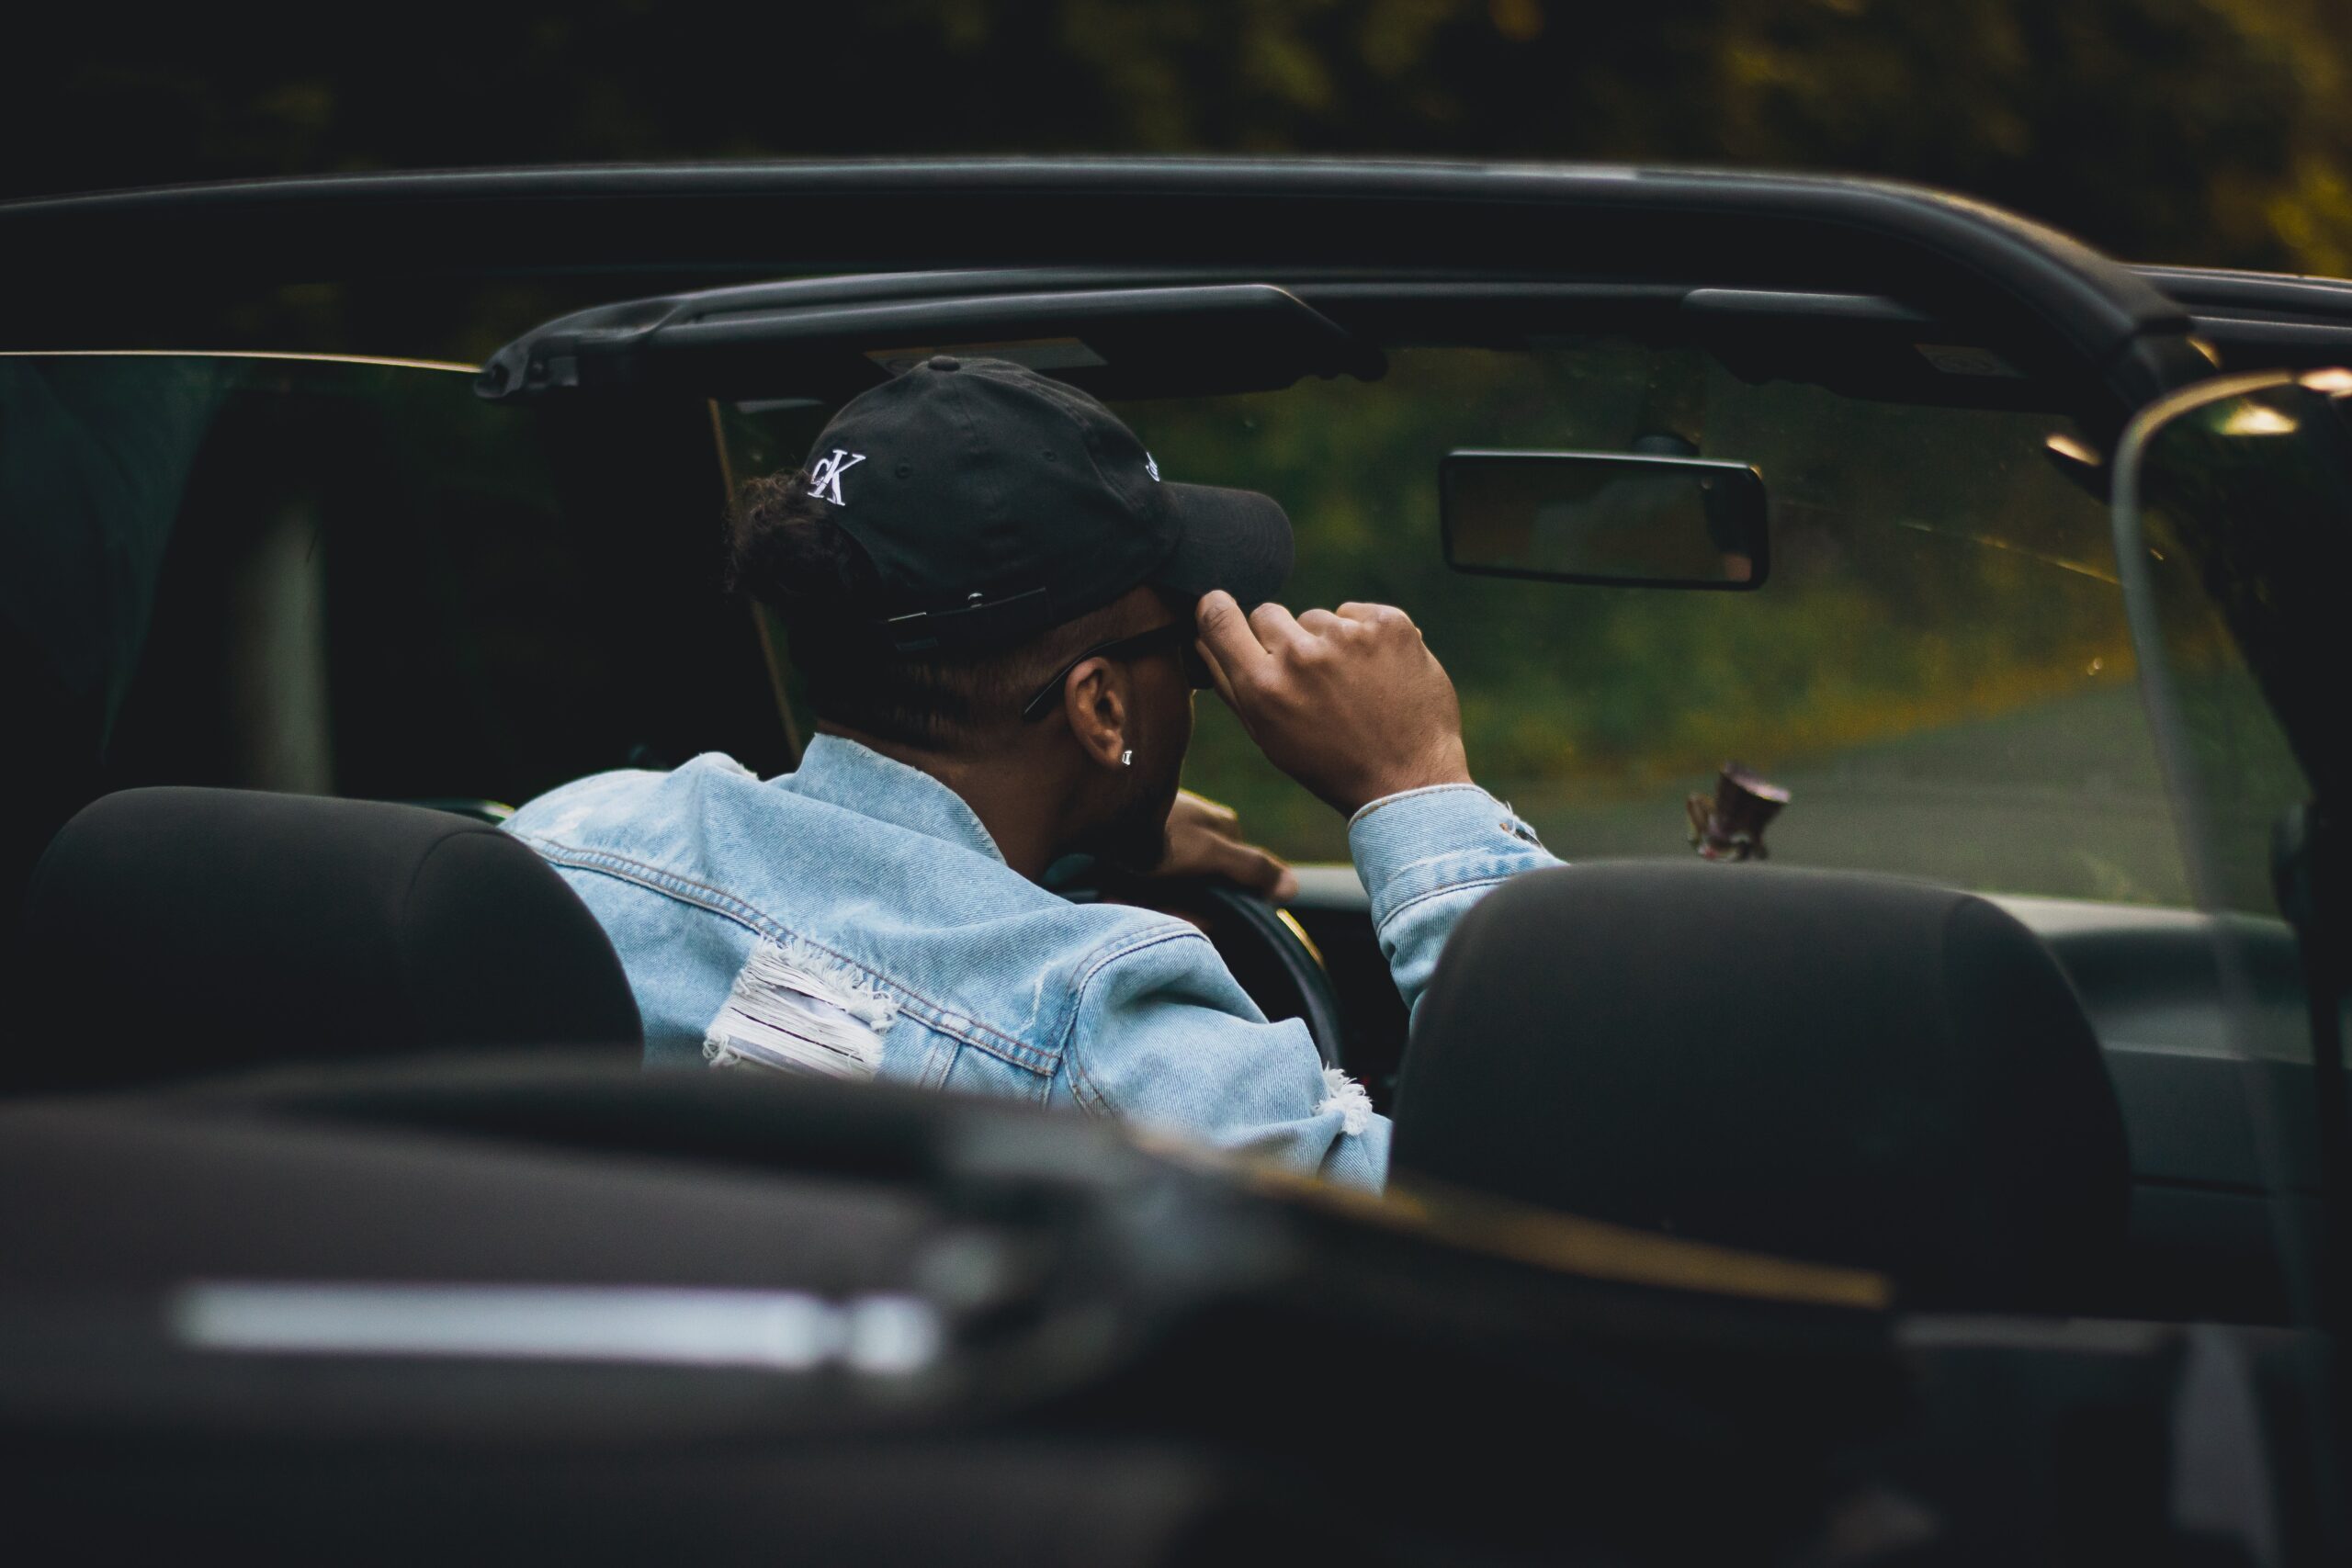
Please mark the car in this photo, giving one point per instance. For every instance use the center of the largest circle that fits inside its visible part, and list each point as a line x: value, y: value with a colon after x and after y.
x: 1965, y: 1177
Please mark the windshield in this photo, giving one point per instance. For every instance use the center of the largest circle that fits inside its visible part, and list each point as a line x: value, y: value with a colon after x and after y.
x: 1939, y: 670
x: 429, y: 596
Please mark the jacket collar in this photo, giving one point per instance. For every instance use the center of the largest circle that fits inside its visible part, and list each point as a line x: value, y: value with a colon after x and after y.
x: 857, y: 778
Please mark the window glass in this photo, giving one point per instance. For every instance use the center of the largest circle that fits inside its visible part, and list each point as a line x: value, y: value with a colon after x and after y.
x: 354, y: 577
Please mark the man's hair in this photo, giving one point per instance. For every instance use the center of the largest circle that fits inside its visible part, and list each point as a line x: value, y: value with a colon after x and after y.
x: 786, y: 551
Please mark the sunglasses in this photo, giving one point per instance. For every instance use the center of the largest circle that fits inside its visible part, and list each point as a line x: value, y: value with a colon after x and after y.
x: 1176, y: 634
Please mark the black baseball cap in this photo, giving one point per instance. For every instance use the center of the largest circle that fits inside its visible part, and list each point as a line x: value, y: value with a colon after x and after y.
x: 994, y: 502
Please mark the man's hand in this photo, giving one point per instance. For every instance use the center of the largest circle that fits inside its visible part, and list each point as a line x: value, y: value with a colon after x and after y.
x: 1348, y: 701
x: 1204, y: 839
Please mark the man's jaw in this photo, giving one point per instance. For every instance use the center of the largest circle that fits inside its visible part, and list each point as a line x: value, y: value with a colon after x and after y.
x: 1136, y: 839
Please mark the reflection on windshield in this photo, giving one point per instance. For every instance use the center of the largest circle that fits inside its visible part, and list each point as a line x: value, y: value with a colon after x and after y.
x: 2097, y: 572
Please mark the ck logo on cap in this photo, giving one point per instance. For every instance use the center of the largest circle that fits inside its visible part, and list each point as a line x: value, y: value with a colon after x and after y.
x: 826, y: 477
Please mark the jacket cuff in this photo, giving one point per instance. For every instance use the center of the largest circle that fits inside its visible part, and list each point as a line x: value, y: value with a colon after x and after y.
x: 1412, y: 845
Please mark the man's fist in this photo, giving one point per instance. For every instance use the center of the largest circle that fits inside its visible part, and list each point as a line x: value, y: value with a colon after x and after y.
x: 1349, y: 701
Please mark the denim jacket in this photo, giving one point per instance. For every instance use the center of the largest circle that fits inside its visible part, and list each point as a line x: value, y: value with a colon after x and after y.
x: 855, y: 917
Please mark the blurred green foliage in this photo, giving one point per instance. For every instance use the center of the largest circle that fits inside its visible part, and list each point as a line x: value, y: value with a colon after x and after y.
x: 2192, y: 130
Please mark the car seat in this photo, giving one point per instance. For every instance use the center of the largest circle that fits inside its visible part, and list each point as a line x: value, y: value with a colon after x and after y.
x: 170, y: 933
x: 1846, y: 1068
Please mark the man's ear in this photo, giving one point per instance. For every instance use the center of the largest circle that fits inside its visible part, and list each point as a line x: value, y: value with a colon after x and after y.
x: 1096, y: 701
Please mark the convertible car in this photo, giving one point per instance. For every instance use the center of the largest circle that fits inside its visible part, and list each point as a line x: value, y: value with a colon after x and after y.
x: 1946, y: 1163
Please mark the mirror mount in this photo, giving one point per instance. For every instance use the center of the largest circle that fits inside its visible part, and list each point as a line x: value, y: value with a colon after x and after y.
x: 1730, y: 825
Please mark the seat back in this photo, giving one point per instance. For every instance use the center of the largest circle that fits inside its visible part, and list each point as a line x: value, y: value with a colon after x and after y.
x: 1840, y: 1068
x: 170, y: 933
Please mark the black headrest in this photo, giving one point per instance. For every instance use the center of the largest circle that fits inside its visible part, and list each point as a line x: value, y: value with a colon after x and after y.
x: 177, y: 931
x: 1846, y: 1068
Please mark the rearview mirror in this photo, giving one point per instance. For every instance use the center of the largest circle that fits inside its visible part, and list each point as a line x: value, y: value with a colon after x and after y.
x: 1649, y: 522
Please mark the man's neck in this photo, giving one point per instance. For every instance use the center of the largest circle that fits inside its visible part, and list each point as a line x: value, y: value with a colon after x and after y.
x: 1022, y: 811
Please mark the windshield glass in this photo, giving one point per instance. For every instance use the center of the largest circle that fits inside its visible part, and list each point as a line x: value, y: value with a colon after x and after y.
x: 1939, y: 669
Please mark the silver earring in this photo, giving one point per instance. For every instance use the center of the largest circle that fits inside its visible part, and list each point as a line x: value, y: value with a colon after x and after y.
x: 1128, y: 759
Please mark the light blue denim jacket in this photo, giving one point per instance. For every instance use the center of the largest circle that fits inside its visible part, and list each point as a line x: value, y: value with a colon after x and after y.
x: 856, y: 918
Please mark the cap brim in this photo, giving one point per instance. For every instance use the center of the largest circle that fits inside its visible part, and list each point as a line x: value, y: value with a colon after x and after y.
x: 1235, y: 539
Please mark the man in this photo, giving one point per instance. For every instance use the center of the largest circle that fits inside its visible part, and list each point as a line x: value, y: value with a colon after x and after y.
x: 1002, y: 613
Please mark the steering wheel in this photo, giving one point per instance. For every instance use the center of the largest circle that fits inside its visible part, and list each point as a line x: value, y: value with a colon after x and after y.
x: 1269, y: 956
